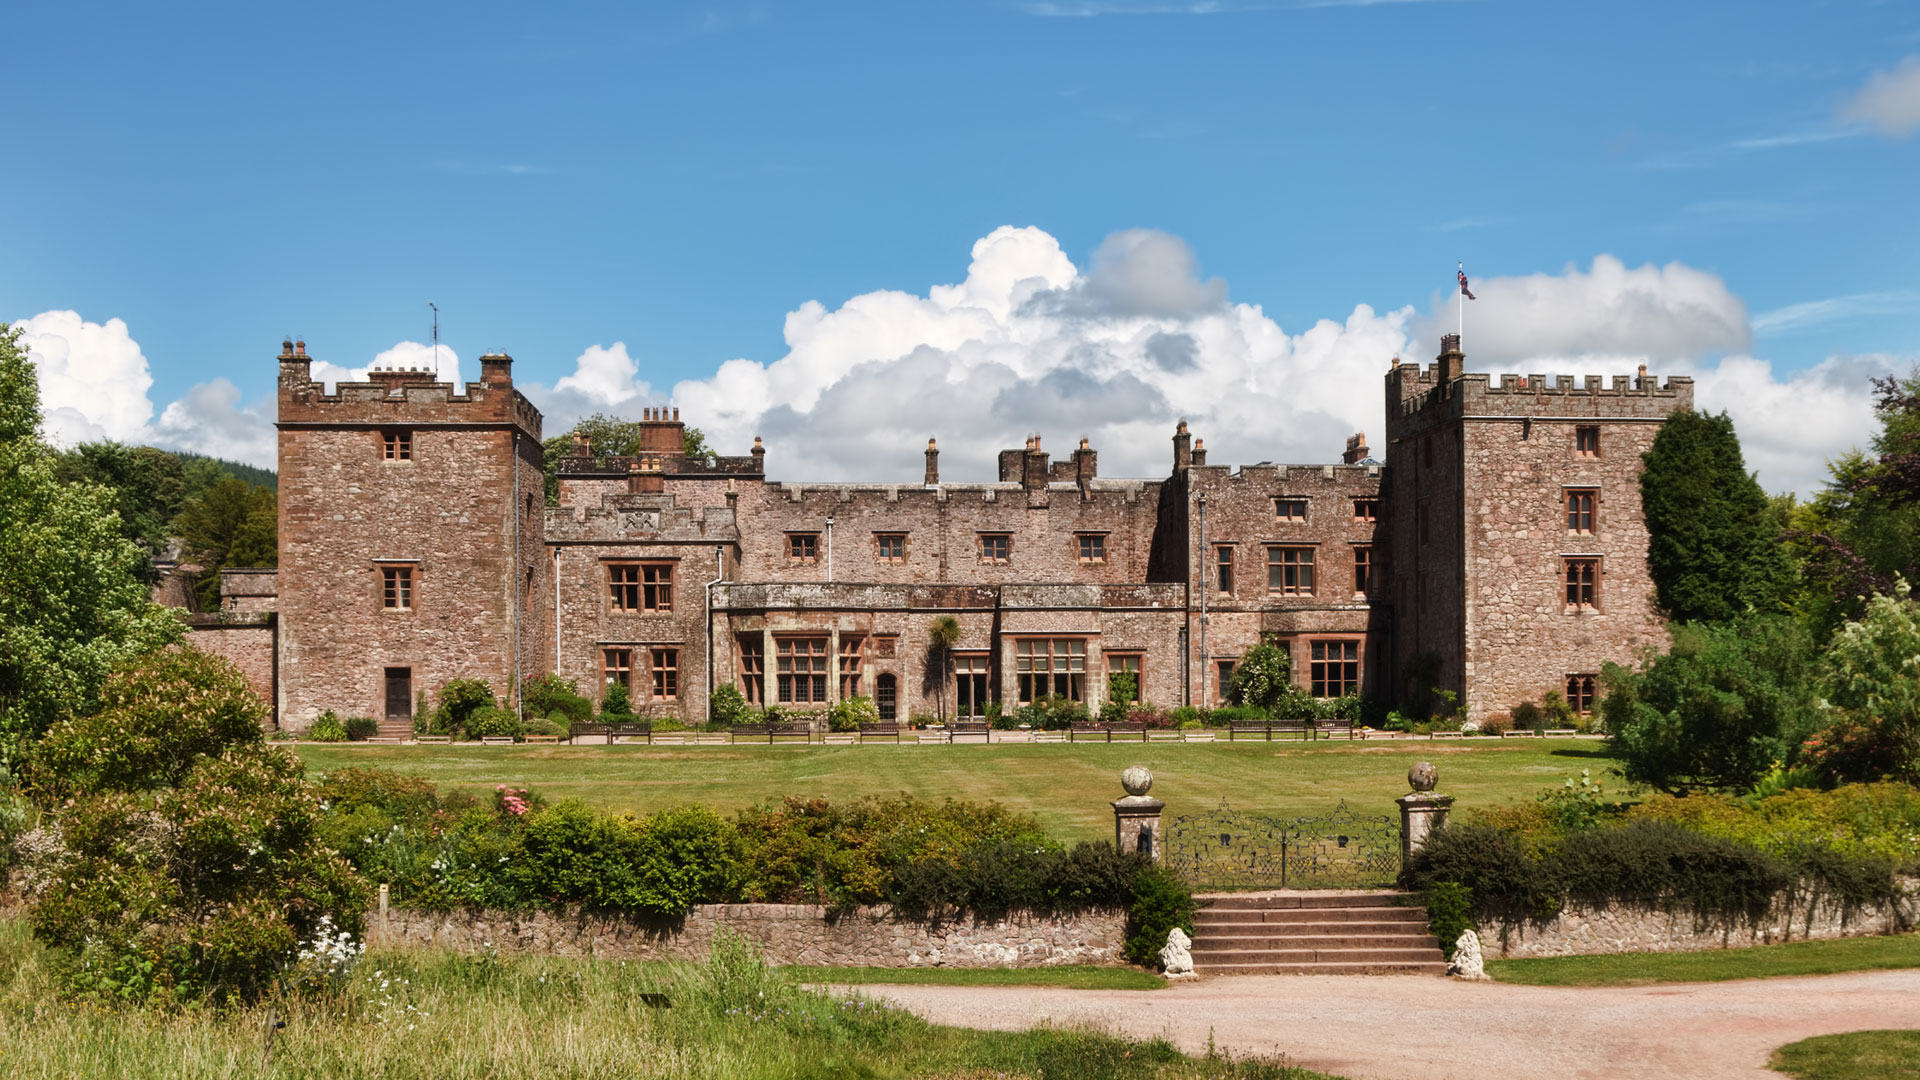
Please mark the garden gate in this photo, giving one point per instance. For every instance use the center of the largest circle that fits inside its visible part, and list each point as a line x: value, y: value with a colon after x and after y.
x: 1228, y: 848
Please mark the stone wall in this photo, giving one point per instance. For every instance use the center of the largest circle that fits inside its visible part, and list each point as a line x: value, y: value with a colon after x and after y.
x: 247, y: 641
x: 1580, y: 932
x: 785, y: 933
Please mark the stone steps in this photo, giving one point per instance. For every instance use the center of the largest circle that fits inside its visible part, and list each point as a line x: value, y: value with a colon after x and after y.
x: 1314, y: 933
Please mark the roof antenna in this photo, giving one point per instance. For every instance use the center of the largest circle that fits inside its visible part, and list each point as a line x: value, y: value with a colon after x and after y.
x: 436, y: 337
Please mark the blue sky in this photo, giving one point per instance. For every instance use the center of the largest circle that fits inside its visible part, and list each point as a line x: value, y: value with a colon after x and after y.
x: 679, y: 179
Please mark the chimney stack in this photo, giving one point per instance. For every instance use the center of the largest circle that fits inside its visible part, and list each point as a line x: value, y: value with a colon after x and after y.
x: 1182, y: 448
x: 496, y: 369
x: 1086, y: 465
x: 1641, y: 382
x: 1199, y: 452
x: 1356, y: 451
x: 1451, y: 360
x: 933, y: 462
x: 759, y: 457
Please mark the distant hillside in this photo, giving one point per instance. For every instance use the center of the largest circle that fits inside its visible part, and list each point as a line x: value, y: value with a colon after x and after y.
x: 252, y: 474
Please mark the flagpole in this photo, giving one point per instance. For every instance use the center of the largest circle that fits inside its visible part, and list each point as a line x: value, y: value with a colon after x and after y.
x: 1460, y: 305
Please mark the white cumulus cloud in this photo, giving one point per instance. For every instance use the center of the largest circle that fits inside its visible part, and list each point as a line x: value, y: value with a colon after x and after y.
x: 1890, y: 102
x: 1027, y: 342
x: 93, y: 377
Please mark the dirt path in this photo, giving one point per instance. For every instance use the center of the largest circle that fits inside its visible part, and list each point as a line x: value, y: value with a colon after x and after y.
x: 1396, y: 1027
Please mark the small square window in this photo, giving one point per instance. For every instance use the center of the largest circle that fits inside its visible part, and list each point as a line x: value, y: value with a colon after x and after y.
x: 1583, y: 583
x: 996, y: 547
x: 891, y: 547
x: 803, y: 548
x: 1290, y: 571
x: 1366, y: 510
x: 1581, y: 503
x: 1586, y: 440
x: 1580, y: 692
x: 666, y: 675
x: 396, y: 445
x: 1287, y: 508
x: 396, y: 588
x: 1093, y: 547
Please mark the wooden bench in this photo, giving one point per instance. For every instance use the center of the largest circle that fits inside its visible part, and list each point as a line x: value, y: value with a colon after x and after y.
x: 886, y: 729
x: 969, y: 727
x: 1332, y: 728
x: 576, y: 729
x: 496, y: 740
x: 785, y: 729
x: 434, y: 740
x: 1269, y: 728
x: 633, y: 729
x: 1108, y: 731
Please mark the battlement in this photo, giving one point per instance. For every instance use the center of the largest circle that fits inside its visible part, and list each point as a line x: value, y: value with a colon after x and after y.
x: 1440, y: 391
x: 397, y: 397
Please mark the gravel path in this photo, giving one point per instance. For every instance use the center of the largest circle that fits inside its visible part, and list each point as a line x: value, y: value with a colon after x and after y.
x: 1395, y: 1027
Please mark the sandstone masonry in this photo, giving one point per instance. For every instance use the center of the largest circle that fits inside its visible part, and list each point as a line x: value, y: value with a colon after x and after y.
x: 415, y: 549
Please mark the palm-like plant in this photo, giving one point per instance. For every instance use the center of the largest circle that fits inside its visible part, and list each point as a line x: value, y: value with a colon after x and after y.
x: 942, y: 635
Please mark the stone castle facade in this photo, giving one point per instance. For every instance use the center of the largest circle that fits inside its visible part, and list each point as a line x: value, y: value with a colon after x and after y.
x: 1497, y: 551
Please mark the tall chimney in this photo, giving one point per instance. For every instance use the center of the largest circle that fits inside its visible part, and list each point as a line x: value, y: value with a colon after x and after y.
x: 1356, y: 451
x: 496, y: 369
x: 1451, y: 359
x: 759, y: 457
x: 1182, y: 448
x: 933, y: 462
x: 1199, y: 452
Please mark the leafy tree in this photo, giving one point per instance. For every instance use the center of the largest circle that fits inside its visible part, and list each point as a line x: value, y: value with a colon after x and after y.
x: 1873, y: 681
x: 183, y: 859
x: 1713, y: 546
x: 147, y: 484
x: 608, y: 436
x: 72, y: 603
x: 1719, y: 709
x: 1862, y: 531
x: 1263, y: 678
x: 231, y: 524
x: 943, y: 633
x: 617, y: 701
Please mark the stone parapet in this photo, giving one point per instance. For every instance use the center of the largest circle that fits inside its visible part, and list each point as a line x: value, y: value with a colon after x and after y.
x: 785, y: 933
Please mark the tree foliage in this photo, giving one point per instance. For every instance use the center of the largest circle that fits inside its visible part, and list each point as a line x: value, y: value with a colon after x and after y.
x: 1873, y: 682
x: 1713, y: 546
x: 1718, y: 710
x: 72, y: 599
x: 608, y: 436
x: 233, y: 524
x: 1263, y: 678
x: 181, y: 856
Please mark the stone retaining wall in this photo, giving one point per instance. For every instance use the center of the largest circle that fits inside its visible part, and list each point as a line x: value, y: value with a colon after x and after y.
x: 785, y: 933
x: 1580, y: 932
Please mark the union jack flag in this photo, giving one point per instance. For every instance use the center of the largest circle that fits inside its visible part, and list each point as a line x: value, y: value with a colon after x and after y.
x: 1463, y: 284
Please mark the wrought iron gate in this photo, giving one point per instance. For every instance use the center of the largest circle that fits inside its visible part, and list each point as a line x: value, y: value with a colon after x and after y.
x: 1228, y: 848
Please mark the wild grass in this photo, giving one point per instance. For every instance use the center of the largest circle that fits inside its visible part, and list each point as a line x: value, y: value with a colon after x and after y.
x: 422, y: 1015
x: 1067, y: 786
x: 1856, y: 1055
x: 1066, y: 976
x: 1715, y: 965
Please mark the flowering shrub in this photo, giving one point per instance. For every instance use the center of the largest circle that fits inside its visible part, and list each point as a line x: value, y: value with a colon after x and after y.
x: 325, y: 962
x: 326, y: 728
x: 515, y: 801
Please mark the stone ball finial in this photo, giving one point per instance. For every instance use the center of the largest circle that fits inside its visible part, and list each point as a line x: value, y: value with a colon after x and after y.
x: 1138, y: 780
x: 1423, y: 776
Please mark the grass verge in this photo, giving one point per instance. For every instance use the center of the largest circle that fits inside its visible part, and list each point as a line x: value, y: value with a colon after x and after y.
x: 421, y: 1015
x: 1716, y: 965
x: 1069, y: 977
x: 1856, y: 1055
x: 1067, y: 786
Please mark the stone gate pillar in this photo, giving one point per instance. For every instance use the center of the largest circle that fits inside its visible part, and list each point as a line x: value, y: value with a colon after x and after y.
x: 1136, y: 818
x: 1422, y: 811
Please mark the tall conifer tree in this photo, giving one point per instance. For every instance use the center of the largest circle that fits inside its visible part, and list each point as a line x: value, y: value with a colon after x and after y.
x: 1713, y: 543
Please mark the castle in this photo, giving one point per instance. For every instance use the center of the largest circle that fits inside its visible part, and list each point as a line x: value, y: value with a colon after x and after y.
x: 1498, y: 551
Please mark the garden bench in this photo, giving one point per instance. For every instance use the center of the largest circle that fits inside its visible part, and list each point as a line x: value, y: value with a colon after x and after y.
x: 1249, y: 727
x: 886, y: 729
x: 496, y: 740
x: 1560, y: 732
x: 1336, y: 726
x: 434, y: 740
x: 969, y: 727
x: 1303, y: 728
x: 543, y: 738
x: 785, y: 729
x: 576, y: 730
x: 1108, y: 731
x: 635, y: 729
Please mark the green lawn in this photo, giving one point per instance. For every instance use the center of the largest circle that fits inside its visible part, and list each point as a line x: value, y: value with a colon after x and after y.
x: 1714, y: 965
x: 1068, y: 786
x: 1069, y: 977
x: 1857, y: 1055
